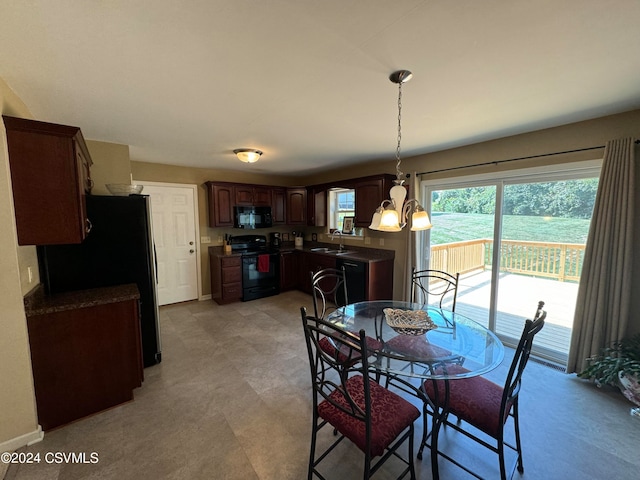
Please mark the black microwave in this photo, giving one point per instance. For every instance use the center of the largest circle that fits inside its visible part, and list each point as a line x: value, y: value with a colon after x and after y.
x: 252, y: 217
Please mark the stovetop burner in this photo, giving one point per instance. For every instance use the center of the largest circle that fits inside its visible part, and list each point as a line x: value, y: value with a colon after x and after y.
x: 250, y: 244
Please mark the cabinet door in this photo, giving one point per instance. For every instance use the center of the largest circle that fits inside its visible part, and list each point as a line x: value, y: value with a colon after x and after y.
x: 316, y: 207
x: 262, y: 196
x: 379, y: 280
x: 314, y: 263
x: 84, y: 167
x: 252, y: 195
x: 288, y: 271
x: 84, y: 360
x: 296, y: 206
x: 243, y: 195
x: 47, y: 181
x: 221, y: 201
x: 278, y: 210
x: 369, y: 195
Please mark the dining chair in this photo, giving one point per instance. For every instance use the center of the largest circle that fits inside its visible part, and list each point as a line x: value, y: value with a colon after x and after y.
x: 426, y: 284
x: 375, y: 419
x: 484, y: 405
x: 329, y: 291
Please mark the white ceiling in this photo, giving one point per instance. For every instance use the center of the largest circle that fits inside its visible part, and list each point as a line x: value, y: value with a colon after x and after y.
x: 306, y: 81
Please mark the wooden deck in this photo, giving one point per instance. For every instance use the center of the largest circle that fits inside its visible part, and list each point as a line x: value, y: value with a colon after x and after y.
x: 517, y: 300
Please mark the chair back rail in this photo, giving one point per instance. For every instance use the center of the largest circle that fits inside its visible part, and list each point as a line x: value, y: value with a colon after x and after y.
x: 329, y: 290
x: 434, y: 283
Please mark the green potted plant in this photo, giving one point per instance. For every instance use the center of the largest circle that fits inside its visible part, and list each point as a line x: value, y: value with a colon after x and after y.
x: 619, y: 366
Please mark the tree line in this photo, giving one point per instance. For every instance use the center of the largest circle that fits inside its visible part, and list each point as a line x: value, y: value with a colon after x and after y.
x: 564, y: 199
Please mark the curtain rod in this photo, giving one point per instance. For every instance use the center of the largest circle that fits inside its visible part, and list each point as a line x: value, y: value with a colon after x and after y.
x: 496, y: 162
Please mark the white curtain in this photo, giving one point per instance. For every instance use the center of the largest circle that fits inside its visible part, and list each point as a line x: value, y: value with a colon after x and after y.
x: 411, y: 244
x: 604, y: 295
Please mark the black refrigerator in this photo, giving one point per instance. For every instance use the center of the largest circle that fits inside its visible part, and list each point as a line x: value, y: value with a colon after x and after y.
x: 118, y: 250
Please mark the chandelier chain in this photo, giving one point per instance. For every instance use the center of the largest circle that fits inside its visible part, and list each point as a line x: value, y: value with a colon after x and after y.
x: 399, y: 174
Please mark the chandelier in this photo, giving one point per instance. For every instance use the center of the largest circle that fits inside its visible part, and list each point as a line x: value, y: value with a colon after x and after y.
x: 392, y: 215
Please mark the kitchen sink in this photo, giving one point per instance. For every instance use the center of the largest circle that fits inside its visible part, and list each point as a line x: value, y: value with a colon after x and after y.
x: 324, y: 250
x: 332, y: 251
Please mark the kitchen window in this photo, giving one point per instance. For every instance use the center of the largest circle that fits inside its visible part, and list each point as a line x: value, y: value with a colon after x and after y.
x: 342, y: 203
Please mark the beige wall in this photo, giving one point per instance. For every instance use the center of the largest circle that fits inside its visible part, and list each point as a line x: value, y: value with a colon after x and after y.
x: 154, y: 172
x: 18, y: 421
x: 111, y: 164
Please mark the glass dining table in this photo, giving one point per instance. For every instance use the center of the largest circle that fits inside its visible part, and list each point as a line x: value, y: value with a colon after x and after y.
x: 424, y: 351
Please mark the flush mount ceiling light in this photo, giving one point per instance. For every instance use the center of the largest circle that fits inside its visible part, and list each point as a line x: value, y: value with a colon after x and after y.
x: 248, y: 155
x: 392, y: 215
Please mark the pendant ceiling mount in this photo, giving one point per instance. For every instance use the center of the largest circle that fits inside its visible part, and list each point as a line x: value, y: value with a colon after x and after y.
x: 401, y: 76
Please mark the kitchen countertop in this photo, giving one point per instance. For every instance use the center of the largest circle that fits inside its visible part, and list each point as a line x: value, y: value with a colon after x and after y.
x: 362, y: 254
x: 37, y: 302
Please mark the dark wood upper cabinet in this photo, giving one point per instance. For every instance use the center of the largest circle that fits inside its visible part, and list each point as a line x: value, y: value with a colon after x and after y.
x: 370, y: 192
x: 221, y: 198
x: 278, y: 206
x: 317, y: 206
x: 50, y: 175
x: 252, y: 195
x: 296, y: 206
x: 243, y: 195
x: 262, y: 196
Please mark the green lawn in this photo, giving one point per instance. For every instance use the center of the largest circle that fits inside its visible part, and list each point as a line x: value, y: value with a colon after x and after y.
x: 455, y: 227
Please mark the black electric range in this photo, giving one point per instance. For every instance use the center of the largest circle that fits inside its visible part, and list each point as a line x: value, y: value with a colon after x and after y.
x: 260, y: 266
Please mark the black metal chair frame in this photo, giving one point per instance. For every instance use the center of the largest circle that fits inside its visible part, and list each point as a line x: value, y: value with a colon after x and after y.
x: 330, y: 373
x: 433, y: 283
x: 325, y: 300
x: 508, y: 406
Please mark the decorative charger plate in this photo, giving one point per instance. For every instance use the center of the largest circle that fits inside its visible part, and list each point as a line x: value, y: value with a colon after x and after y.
x: 409, y: 322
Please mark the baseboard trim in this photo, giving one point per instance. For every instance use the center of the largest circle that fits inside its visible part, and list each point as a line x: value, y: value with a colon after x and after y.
x: 23, y: 440
x: 205, y: 297
x: 547, y: 363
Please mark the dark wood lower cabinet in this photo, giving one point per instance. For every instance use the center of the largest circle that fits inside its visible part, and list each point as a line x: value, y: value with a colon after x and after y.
x: 374, y: 280
x: 314, y: 262
x: 226, y: 276
x: 289, y: 277
x: 86, y: 358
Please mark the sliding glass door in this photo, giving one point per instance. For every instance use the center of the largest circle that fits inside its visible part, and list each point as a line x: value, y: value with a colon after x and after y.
x: 465, y: 218
x: 515, y: 241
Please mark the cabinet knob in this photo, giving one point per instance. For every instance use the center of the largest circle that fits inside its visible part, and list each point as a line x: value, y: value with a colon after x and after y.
x: 192, y: 251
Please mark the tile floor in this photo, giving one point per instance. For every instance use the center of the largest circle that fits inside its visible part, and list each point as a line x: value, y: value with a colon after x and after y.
x: 231, y: 400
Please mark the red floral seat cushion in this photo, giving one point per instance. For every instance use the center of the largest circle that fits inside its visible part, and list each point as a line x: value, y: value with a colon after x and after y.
x: 475, y: 400
x: 416, y: 346
x: 327, y: 346
x: 390, y: 415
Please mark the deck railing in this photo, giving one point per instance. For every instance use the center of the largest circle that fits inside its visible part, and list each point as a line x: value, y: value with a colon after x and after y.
x: 561, y: 261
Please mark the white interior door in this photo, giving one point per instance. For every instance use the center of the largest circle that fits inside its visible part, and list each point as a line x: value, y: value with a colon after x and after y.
x: 174, y: 233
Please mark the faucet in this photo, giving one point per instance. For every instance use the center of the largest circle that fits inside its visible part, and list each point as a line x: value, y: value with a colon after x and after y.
x: 338, y: 232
